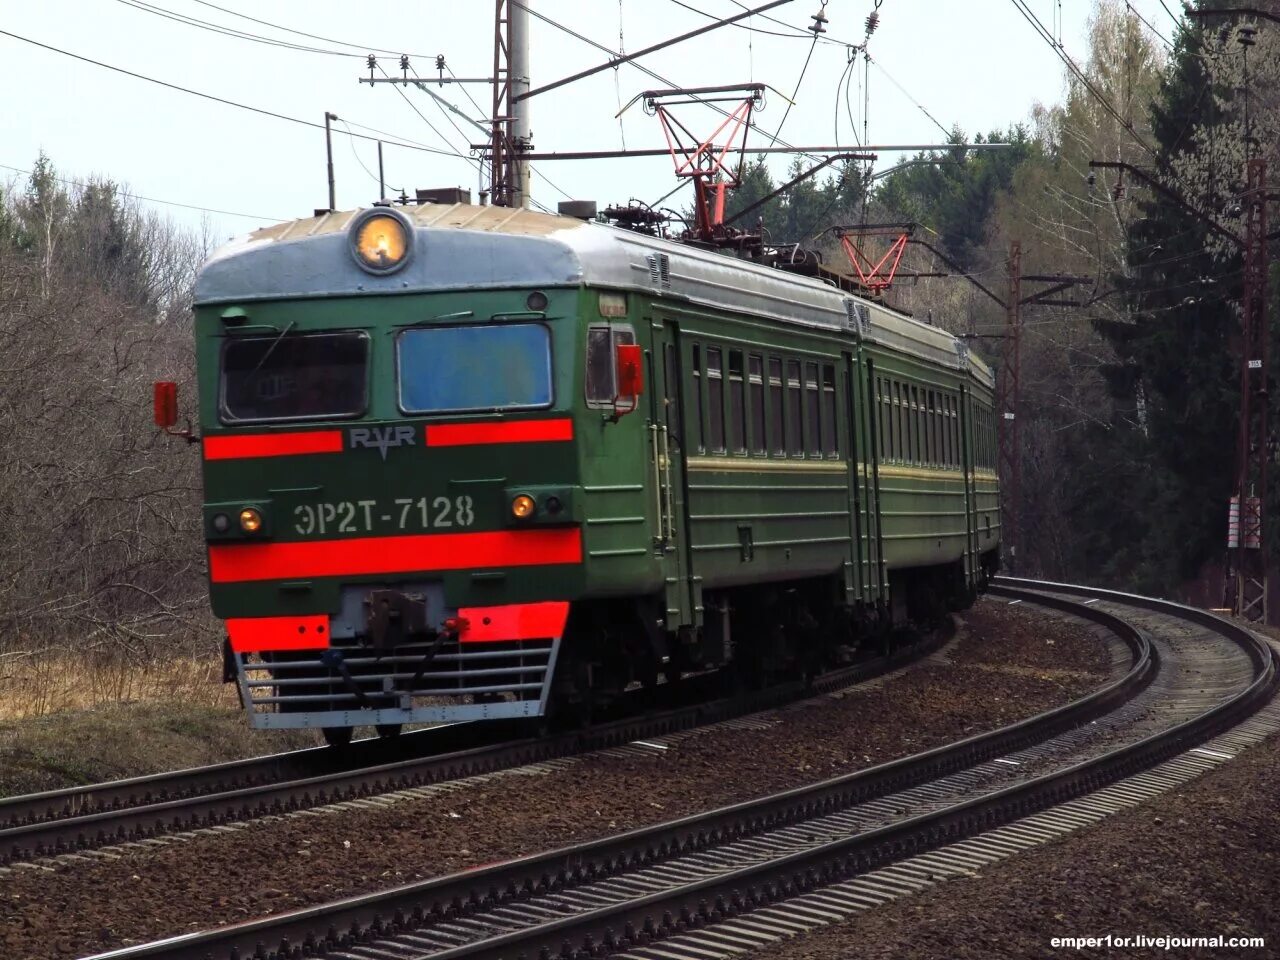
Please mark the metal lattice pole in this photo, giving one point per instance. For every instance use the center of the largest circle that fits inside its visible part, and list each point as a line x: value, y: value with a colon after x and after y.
x: 1251, y: 474
x: 1008, y: 390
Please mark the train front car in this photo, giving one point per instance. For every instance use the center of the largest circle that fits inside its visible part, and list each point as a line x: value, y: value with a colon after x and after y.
x: 391, y: 417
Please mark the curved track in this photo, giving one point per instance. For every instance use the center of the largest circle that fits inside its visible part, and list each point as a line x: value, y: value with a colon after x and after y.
x: 81, y: 818
x: 1192, y: 675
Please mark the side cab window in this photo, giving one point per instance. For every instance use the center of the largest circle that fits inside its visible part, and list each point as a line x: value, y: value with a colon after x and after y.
x: 601, y: 373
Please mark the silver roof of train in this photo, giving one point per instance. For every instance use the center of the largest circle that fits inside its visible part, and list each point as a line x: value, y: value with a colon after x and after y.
x: 471, y: 247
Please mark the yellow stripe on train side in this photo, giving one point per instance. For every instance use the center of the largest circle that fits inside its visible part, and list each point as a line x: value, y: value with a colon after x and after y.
x: 752, y: 464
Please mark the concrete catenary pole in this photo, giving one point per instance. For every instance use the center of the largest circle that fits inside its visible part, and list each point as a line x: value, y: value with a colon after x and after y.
x: 521, y: 129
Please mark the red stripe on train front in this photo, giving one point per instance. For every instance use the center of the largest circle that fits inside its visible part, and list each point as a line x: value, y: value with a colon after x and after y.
x: 242, y: 446
x: 499, y: 431
x: 513, y: 621
x: 241, y: 562
x: 255, y: 634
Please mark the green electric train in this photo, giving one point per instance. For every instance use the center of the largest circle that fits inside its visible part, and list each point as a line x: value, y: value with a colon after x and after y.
x: 468, y: 462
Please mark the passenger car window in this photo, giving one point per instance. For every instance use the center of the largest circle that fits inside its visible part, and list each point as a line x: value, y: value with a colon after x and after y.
x: 777, y: 444
x: 795, y: 410
x: 715, y: 400
x: 829, y: 446
x: 737, y: 404
x: 755, y: 385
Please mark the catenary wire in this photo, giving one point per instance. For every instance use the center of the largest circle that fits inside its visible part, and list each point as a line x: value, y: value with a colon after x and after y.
x: 1147, y: 23
x: 228, y: 31
x: 356, y: 154
x: 742, y: 26
x: 903, y: 90
x: 309, y: 36
x: 398, y: 141
x: 799, y: 80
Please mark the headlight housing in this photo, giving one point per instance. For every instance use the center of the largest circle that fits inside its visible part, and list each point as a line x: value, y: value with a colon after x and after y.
x: 250, y: 520
x: 381, y: 240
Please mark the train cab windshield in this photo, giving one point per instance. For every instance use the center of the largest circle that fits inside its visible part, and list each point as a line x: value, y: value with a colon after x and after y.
x: 312, y: 376
x: 457, y: 369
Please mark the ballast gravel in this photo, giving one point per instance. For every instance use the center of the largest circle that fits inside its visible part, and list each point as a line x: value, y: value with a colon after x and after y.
x: 1201, y: 862
x: 1009, y: 662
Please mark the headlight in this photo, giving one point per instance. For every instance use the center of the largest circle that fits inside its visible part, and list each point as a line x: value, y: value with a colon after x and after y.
x: 523, y: 507
x: 380, y: 241
x: 250, y: 520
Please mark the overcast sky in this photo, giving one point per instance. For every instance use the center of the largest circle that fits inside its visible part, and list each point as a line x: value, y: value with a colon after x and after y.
x: 976, y: 64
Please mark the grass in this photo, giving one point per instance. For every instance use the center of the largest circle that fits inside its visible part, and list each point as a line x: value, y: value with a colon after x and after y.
x: 37, y: 684
x: 68, y: 720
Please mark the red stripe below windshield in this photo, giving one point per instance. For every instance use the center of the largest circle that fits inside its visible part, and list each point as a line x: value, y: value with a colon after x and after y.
x: 499, y: 431
x: 242, y: 446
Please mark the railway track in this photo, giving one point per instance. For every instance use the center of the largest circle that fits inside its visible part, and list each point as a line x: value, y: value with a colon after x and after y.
x: 38, y: 826
x: 720, y: 881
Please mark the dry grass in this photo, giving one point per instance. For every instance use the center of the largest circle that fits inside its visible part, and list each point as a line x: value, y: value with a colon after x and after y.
x: 38, y: 684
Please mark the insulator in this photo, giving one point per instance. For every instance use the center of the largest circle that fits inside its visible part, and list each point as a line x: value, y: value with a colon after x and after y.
x: 819, y: 20
x: 873, y: 21
x: 373, y: 61
x: 404, y: 62
x: 440, y: 61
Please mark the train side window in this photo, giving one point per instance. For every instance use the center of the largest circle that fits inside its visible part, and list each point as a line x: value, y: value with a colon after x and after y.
x: 955, y: 432
x: 904, y: 412
x: 795, y: 410
x: 715, y: 400
x: 940, y: 414
x: 935, y: 456
x: 917, y: 425
x: 671, y: 397
x: 813, y: 410
x: 755, y: 386
x: 922, y: 419
x: 697, y: 392
x: 946, y: 430
x: 881, y: 420
x: 777, y: 444
x: 895, y: 421
x: 602, y: 343
x: 737, y: 404
x: 829, y: 446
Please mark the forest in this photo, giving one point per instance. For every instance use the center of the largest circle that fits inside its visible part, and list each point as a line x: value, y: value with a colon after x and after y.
x: 1128, y: 403
x: 1129, y: 398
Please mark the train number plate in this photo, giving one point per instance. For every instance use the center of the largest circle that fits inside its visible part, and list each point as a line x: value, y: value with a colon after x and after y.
x: 369, y: 516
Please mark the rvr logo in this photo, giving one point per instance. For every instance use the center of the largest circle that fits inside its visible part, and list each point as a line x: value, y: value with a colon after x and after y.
x: 381, y: 438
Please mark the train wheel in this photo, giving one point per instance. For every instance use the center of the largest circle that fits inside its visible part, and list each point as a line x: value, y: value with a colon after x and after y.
x: 337, y: 737
x: 389, y: 730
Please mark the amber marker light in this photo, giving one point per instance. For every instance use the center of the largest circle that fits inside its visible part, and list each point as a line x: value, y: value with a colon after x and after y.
x: 250, y: 520
x: 381, y: 242
x: 522, y: 507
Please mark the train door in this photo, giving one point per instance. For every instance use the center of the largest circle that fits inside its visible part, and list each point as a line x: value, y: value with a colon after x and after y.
x: 667, y: 454
x: 967, y: 460
x: 869, y: 468
x: 859, y: 517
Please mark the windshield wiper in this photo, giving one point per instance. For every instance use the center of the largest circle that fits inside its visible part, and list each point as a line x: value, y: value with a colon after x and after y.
x: 274, y: 343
